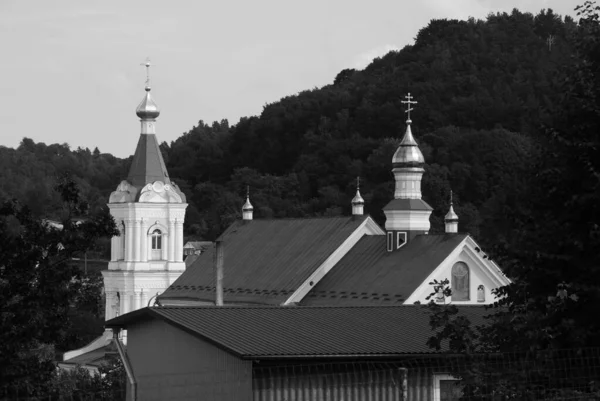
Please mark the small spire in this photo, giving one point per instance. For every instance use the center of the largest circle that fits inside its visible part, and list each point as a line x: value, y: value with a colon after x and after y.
x: 408, y: 153
x: 147, y: 109
x: 451, y: 218
x: 358, y: 202
x: 408, y: 102
x: 247, y: 209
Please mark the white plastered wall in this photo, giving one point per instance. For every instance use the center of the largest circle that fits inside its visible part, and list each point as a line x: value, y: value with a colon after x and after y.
x: 133, y: 277
x: 482, y: 271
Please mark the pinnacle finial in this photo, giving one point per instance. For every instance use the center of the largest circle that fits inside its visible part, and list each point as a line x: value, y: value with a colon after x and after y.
x: 408, y: 102
x: 247, y: 209
x: 450, y: 197
x: 147, y: 64
x: 357, y: 183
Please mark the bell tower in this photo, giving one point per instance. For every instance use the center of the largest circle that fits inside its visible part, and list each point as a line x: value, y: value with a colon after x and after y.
x: 149, y: 210
x: 407, y: 215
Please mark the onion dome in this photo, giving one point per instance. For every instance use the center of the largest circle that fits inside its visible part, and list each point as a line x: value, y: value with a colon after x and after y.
x: 358, y: 200
x: 451, y: 216
x: 408, y: 153
x: 247, y: 206
x: 147, y: 110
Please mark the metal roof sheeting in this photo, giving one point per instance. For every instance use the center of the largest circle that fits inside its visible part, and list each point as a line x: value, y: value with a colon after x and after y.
x: 266, y: 332
x: 265, y: 260
x: 369, y: 275
x: 147, y: 165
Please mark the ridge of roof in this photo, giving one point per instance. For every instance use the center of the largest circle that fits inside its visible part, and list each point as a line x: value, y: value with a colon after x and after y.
x: 290, y: 251
x: 270, y: 219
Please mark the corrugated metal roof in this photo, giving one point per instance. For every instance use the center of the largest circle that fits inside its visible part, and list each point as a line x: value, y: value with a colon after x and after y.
x: 267, y: 332
x: 369, y: 275
x: 265, y: 260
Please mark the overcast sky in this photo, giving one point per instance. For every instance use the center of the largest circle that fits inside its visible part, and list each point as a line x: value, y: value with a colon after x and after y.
x: 70, y: 70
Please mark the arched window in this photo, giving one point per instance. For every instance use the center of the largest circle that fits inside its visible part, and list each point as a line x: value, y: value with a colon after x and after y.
x: 460, y: 282
x: 156, y: 240
x: 156, y: 244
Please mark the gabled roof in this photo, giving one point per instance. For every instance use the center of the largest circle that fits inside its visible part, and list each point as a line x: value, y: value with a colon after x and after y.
x: 148, y: 164
x: 265, y: 261
x: 295, y: 332
x: 369, y: 275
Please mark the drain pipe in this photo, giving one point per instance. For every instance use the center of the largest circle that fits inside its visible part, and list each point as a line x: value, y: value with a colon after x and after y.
x: 126, y: 364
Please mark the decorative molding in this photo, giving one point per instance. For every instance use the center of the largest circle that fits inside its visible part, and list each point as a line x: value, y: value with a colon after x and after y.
x: 124, y: 193
x: 157, y: 225
x: 159, y: 192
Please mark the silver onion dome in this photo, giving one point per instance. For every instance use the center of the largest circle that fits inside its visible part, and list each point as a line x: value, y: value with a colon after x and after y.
x: 147, y: 109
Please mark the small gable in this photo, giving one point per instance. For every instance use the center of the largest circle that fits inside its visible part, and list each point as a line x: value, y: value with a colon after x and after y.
x: 471, y: 274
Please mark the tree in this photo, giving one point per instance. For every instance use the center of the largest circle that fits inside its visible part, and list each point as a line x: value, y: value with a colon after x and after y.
x: 38, y: 286
x: 554, y: 263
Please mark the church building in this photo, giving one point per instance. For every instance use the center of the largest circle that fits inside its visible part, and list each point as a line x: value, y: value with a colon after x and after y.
x: 147, y: 256
x: 343, y: 261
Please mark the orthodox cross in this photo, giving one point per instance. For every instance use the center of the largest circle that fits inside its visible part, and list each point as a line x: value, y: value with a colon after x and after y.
x: 357, y: 183
x: 450, y: 197
x: 147, y: 64
x: 408, y: 103
x: 247, y: 191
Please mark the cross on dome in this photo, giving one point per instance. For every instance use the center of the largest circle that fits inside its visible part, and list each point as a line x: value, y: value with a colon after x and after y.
x: 408, y: 103
x: 147, y: 64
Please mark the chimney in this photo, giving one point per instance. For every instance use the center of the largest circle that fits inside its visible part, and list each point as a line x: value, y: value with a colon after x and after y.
x: 219, y: 273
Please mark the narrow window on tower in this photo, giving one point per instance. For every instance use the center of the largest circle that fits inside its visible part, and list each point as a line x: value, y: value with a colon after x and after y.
x: 390, y: 242
x: 122, y: 242
x: 400, y: 240
x: 156, y: 240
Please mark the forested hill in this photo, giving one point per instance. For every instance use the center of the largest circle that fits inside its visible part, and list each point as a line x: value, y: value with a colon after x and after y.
x: 483, y: 88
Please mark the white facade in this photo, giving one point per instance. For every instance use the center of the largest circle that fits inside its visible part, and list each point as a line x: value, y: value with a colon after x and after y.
x: 146, y: 258
x: 482, y: 276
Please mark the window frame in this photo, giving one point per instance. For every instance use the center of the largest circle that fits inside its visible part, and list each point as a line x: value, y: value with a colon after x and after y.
x: 437, y: 378
x: 156, y: 242
x: 452, y: 282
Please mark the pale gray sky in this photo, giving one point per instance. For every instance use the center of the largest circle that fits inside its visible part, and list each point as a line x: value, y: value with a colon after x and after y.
x: 70, y: 70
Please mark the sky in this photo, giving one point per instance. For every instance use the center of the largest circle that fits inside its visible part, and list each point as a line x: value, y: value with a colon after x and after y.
x: 71, y: 71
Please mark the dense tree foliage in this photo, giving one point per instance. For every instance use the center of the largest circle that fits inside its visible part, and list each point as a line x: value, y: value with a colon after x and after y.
x: 483, y: 87
x: 554, y: 261
x: 38, y: 286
